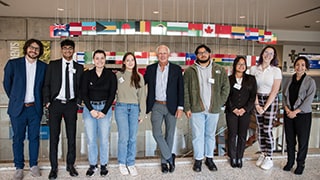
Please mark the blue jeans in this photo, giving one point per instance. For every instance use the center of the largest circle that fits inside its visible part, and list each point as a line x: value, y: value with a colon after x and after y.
x: 27, y: 120
x: 97, y: 127
x: 127, y: 116
x: 204, y: 127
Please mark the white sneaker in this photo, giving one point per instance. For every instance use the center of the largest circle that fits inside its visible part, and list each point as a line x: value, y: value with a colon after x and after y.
x: 133, y: 170
x: 123, y: 169
x: 35, y: 171
x: 267, y: 163
x: 260, y: 160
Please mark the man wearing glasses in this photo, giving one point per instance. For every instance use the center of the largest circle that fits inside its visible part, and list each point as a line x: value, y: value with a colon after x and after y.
x: 61, y: 96
x: 206, y: 88
x: 23, y: 82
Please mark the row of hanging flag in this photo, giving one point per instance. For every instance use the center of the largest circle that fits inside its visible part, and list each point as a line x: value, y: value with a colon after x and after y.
x: 74, y: 29
x: 145, y: 58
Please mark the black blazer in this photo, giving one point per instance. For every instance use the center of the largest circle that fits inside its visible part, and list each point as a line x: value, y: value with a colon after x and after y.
x: 175, y: 92
x: 53, y: 80
x: 243, y: 98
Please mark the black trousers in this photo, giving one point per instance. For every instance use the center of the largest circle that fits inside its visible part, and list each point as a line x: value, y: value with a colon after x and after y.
x: 237, y: 134
x: 68, y: 111
x: 297, y: 128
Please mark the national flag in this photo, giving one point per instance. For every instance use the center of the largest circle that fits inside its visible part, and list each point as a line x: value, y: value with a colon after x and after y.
x: 88, y: 57
x: 127, y: 27
x: 107, y: 27
x: 190, y: 58
x: 251, y: 60
x: 261, y: 35
x: 252, y: 34
x: 61, y: 30
x: 195, y: 29
x: 269, y: 38
x: 51, y: 28
x: 209, y: 30
x: 224, y: 59
x: 238, y: 32
x: 177, y: 29
x: 153, y: 57
x: 75, y: 29
x: 178, y: 58
x: 89, y: 28
x: 143, y: 27
x: 158, y: 28
x: 223, y: 31
x: 80, y: 57
x: 119, y: 57
x: 110, y: 57
x: 142, y: 57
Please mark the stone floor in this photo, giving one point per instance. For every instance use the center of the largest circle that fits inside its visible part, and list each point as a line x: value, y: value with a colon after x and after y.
x: 150, y: 169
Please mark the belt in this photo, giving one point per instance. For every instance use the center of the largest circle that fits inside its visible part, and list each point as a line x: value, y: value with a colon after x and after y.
x: 29, y: 104
x: 64, y: 101
x: 98, y: 102
x: 161, y: 102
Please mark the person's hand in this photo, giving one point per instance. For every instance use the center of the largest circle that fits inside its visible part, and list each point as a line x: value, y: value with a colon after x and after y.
x: 100, y: 115
x: 291, y: 114
x: 260, y: 109
x: 188, y: 114
x: 236, y: 111
x: 242, y: 111
x: 94, y: 113
x: 179, y: 113
x: 47, y: 105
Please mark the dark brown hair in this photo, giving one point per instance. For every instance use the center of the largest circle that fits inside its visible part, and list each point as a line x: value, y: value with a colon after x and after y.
x: 274, y: 61
x: 135, y: 78
x: 29, y: 42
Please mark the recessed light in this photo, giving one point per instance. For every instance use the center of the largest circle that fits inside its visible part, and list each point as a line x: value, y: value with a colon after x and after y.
x: 60, y: 9
x: 242, y: 17
x: 318, y: 21
x: 155, y: 12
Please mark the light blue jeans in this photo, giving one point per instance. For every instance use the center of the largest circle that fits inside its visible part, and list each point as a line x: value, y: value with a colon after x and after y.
x: 204, y: 127
x: 127, y: 116
x: 97, y: 128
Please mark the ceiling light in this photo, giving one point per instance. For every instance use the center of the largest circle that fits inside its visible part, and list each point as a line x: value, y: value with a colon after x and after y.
x: 242, y: 17
x: 318, y: 21
x: 155, y: 12
x: 60, y: 9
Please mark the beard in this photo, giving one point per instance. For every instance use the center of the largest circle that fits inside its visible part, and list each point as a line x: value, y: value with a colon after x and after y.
x: 199, y: 61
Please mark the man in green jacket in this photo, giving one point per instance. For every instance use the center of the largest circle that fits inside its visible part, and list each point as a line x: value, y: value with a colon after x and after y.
x: 206, y: 88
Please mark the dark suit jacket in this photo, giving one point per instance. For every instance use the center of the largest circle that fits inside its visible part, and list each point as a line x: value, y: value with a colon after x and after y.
x: 175, y: 93
x: 14, y: 84
x: 243, y: 98
x: 53, y: 81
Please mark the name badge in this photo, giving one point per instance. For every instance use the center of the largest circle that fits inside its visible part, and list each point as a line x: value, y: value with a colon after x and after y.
x: 237, y: 86
x: 211, y: 80
x: 121, y: 80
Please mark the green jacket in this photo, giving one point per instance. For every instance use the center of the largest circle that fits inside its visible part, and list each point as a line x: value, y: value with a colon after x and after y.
x: 220, y: 89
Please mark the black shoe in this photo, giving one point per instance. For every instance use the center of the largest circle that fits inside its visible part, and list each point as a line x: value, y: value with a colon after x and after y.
x: 164, y: 168
x: 92, y: 169
x: 171, y: 162
x: 53, y: 174
x: 212, y: 167
x: 233, y: 163
x: 299, y: 170
x: 197, y: 165
x: 288, y: 167
x: 103, y: 170
x: 239, y: 163
x: 72, y: 171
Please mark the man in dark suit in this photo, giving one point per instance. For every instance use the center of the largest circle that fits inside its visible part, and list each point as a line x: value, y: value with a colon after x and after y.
x: 61, y: 96
x: 23, y: 82
x: 165, y: 99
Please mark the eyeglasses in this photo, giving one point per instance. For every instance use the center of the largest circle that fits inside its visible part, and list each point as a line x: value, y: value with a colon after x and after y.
x: 203, y: 53
x: 268, y: 53
x: 34, y: 48
x: 67, y: 48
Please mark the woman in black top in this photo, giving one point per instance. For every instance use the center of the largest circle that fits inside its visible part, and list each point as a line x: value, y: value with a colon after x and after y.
x: 243, y: 88
x: 98, y: 91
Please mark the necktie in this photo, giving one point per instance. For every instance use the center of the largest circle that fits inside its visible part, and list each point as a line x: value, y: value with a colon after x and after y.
x: 67, y: 82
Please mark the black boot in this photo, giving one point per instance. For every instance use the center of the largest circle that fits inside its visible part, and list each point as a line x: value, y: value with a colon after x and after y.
x: 233, y: 162
x: 239, y: 163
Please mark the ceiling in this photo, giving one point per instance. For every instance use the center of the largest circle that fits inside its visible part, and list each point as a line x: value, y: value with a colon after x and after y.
x: 270, y: 14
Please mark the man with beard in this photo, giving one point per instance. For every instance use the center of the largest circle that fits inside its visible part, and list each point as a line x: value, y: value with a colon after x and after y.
x: 23, y: 82
x: 206, y: 88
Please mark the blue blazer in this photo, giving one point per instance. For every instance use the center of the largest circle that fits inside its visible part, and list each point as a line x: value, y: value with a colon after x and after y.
x: 14, y: 84
x: 175, y: 92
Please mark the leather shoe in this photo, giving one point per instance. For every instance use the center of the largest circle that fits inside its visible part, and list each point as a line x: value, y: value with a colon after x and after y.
x: 197, y: 165
x: 172, y: 163
x: 233, y: 163
x: 288, y: 167
x: 72, y: 171
x: 239, y: 163
x: 164, y: 168
x: 53, y: 174
x: 211, y: 166
x: 299, y: 170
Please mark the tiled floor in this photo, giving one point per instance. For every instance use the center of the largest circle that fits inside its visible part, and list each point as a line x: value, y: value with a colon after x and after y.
x: 150, y: 169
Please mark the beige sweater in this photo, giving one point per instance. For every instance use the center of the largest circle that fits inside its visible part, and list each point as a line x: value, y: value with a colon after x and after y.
x: 129, y: 94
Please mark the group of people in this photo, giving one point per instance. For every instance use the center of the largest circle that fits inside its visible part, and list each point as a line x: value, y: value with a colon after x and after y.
x: 62, y: 86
